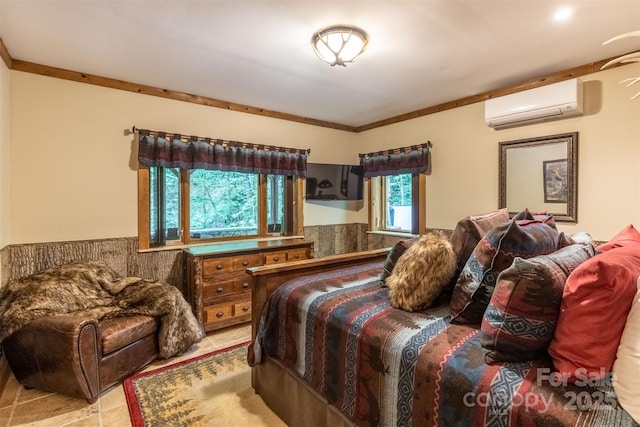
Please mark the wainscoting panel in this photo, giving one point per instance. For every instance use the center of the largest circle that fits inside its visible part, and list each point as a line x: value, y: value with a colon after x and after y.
x: 121, y: 254
x: 336, y: 239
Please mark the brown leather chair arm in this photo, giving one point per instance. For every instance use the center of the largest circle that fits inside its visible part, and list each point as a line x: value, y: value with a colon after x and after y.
x: 58, y: 354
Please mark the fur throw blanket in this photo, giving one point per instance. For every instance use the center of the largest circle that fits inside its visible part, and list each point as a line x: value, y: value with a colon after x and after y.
x: 95, y: 289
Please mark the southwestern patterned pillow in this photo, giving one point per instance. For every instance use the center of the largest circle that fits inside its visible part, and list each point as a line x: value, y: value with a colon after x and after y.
x: 468, y: 232
x: 394, y: 254
x: 519, y: 322
x: 525, y: 236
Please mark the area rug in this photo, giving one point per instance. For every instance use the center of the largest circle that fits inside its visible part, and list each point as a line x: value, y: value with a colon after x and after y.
x: 213, y: 389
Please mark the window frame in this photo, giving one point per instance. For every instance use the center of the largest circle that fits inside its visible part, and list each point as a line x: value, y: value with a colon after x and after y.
x: 377, y: 205
x: 292, y: 221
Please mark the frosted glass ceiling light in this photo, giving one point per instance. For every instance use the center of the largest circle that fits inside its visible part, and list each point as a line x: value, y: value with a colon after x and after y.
x: 339, y: 44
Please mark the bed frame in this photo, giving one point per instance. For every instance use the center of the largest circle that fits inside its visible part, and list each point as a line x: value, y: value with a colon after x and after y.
x: 283, y: 392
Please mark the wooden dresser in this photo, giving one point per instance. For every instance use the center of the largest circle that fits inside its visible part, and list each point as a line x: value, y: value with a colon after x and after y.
x: 217, y: 284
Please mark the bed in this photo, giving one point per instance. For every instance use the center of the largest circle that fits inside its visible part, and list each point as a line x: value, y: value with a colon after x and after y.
x: 329, y: 349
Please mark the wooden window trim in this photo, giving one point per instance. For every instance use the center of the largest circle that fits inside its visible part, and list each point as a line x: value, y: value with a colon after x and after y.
x: 293, y: 222
x: 144, y: 207
x: 377, y: 202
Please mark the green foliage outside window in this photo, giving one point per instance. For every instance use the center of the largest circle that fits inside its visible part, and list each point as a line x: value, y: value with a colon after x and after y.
x: 399, y: 190
x: 398, y: 202
x: 223, y: 200
x: 221, y: 204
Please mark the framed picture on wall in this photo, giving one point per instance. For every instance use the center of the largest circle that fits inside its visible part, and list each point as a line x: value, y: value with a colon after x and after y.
x: 555, y: 181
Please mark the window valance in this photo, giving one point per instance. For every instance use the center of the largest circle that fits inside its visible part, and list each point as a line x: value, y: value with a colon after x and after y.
x: 167, y: 150
x: 412, y: 159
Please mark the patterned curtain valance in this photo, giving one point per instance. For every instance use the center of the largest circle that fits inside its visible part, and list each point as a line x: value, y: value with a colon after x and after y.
x: 413, y: 159
x: 192, y: 152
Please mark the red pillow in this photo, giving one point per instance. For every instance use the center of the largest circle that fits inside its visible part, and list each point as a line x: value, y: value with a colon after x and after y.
x: 627, y: 236
x: 596, y: 300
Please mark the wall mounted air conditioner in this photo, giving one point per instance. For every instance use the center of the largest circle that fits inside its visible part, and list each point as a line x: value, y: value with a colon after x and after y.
x: 551, y: 102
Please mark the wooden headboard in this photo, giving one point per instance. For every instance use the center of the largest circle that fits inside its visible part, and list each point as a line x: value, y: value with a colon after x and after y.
x: 267, y: 279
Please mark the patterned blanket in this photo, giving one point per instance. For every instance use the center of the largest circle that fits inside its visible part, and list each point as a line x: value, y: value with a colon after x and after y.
x: 385, y: 366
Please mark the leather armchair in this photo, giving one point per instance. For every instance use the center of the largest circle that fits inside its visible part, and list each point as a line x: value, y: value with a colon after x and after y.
x: 80, y: 356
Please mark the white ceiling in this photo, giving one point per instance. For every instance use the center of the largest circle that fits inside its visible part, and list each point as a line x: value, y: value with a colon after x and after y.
x: 258, y: 53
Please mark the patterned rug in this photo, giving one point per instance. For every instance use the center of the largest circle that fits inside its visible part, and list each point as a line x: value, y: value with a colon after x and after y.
x: 209, y: 390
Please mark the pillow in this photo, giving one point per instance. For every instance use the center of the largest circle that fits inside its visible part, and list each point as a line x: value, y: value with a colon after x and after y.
x: 579, y: 237
x: 582, y: 237
x: 393, y: 256
x: 595, y: 303
x: 626, y: 382
x: 422, y: 273
x: 525, y: 236
x: 627, y: 236
x: 519, y: 322
x: 468, y: 232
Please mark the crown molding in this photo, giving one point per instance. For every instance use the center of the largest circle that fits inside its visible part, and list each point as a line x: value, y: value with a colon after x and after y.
x: 60, y: 73
x: 4, y: 54
x: 559, y: 76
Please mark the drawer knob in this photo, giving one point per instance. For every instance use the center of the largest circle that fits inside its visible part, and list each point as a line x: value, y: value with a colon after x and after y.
x: 219, y: 314
x: 296, y: 256
x: 219, y: 267
x: 245, y: 308
x: 245, y: 285
x: 276, y: 258
x: 219, y: 290
x: 245, y: 263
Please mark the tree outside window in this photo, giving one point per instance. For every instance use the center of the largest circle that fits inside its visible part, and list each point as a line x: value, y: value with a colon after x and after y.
x: 216, y: 205
x: 398, y: 202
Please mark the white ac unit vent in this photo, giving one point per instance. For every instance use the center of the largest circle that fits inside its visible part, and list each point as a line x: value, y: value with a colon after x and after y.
x: 551, y: 102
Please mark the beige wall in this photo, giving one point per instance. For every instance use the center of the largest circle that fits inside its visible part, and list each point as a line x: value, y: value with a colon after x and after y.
x: 4, y: 154
x: 73, y: 176
x: 76, y: 177
x: 464, y: 179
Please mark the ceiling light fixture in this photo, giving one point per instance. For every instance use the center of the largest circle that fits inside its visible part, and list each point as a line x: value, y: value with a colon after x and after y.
x: 563, y: 14
x: 340, y: 44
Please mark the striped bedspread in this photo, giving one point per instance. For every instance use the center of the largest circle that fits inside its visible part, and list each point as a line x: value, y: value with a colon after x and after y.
x: 384, y: 366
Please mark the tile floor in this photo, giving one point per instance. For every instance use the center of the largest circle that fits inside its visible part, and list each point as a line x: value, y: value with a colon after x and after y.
x: 20, y: 407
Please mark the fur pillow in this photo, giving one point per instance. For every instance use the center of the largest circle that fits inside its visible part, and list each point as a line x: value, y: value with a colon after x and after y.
x: 422, y: 272
x: 394, y: 255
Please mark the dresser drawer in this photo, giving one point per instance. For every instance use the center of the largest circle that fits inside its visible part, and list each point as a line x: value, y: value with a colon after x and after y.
x: 232, y: 311
x: 214, y: 288
x: 217, y: 285
x: 242, y: 308
x: 297, y: 254
x: 217, y: 313
x: 214, y: 266
x: 277, y: 257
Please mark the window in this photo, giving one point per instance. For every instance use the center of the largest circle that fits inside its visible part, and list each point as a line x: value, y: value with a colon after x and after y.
x: 397, y: 203
x: 192, y: 206
x: 397, y: 188
x: 164, y: 212
x: 193, y: 189
x: 222, y: 204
